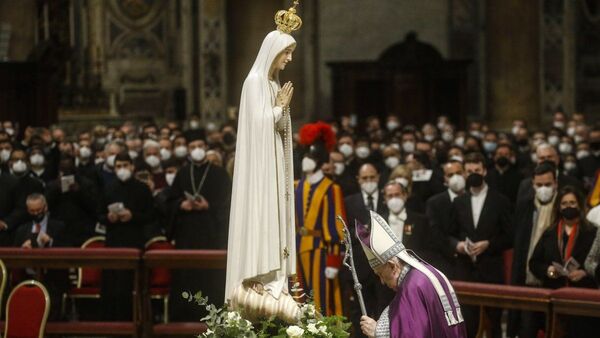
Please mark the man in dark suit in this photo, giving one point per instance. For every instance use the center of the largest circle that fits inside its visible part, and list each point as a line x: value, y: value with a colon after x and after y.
x: 546, y: 152
x: 24, y: 185
x: 503, y: 176
x: 439, y: 213
x: 481, y: 231
x: 44, y: 232
x: 357, y: 210
x: 532, y: 218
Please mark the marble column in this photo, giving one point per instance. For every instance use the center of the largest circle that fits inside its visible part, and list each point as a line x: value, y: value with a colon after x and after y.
x: 512, y: 61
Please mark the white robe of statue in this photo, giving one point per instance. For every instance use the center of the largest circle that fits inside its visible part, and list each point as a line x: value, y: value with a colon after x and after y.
x: 262, y: 243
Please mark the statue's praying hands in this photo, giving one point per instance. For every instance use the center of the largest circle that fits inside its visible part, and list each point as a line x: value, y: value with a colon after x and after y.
x: 284, y: 96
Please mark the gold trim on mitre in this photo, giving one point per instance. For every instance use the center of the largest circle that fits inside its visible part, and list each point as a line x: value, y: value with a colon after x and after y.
x: 384, y: 243
x: 288, y: 21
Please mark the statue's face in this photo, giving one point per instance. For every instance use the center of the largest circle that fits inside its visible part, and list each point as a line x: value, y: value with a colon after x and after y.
x: 284, y: 58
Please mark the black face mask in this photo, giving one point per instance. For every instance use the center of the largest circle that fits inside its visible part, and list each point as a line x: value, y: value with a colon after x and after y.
x: 502, y: 161
x: 39, y: 217
x: 569, y: 213
x: 522, y: 142
x: 474, y: 181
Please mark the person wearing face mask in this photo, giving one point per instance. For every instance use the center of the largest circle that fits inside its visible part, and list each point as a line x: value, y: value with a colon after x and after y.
x: 358, y: 207
x: 363, y: 152
x: 199, y: 202
x: 341, y: 176
x: 75, y: 200
x: 439, y: 211
x: 105, y: 170
x: 38, y: 166
x: 588, y: 156
x: 320, y: 262
x: 43, y: 231
x: 532, y: 218
x: 546, y: 152
x: 152, y: 163
x: 567, y: 241
x: 391, y: 159
x: 481, y: 231
x: 5, y: 150
x: 20, y: 185
x: 425, y: 181
x: 345, y: 145
x: 128, y: 207
x: 503, y: 176
x: 161, y: 199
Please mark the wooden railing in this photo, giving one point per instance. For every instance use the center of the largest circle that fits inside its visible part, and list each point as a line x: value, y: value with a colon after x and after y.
x: 555, y: 304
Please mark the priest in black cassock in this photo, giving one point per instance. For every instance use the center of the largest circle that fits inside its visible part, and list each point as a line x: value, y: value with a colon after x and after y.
x: 128, y: 207
x: 200, y: 199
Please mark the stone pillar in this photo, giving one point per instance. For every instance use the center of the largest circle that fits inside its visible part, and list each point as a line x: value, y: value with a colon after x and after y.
x: 512, y: 61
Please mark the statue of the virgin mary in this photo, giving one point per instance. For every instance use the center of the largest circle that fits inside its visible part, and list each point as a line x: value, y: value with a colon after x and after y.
x: 261, y: 254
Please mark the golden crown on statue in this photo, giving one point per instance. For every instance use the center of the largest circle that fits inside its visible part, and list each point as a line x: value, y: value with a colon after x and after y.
x: 288, y: 21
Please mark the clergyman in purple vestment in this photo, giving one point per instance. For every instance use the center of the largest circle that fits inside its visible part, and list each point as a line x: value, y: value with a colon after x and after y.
x: 425, y: 305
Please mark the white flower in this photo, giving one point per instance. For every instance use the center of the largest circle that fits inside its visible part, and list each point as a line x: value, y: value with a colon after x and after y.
x: 309, y: 309
x: 294, y: 331
x: 312, y: 328
x: 323, y: 329
x: 208, y: 332
x: 233, y: 316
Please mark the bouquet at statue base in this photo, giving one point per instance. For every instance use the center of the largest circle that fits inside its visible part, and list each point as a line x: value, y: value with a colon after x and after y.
x: 228, y: 323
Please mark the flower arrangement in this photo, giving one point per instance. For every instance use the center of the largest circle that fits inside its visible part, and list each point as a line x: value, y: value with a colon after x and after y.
x: 225, y: 323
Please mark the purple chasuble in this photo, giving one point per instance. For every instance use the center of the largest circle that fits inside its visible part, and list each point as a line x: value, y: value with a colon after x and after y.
x: 416, y: 310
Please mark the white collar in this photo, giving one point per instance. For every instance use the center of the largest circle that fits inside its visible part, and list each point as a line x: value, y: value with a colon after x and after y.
x: 315, y: 177
x: 452, y: 194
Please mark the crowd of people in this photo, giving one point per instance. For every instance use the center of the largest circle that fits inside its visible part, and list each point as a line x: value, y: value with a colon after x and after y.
x: 458, y: 198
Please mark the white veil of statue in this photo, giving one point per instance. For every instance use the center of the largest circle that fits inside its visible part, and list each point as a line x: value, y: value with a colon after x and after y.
x: 262, y: 243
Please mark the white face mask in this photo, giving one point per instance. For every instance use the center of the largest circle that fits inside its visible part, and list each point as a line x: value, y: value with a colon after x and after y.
x: 565, y: 148
x: 570, y: 166
x: 308, y: 165
x: 392, y: 125
x: 395, y: 146
x: 165, y: 154
x: 396, y: 205
x: 124, y: 174
x: 515, y: 130
x: 408, y: 146
x: 369, y: 187
x: 460, y: 141
x: 153, y: 161
x: 9, y: 131
x: 578, y: 139
x: 392, y: 162
x: 429, y: 137
x: 36, y: 159
x: 4, y: 155
x: 170, y: 177
x: 194, y: 124
x: 181, y: 151
x: 534, y: 157
x: 362, y: 152
x: 456, y: 183
x: 447, y: 136
x: 553, y: 140
x: 582, y: 154
x: 544, y: 194
x: 346, y: 149
x: 339, y: 168
x: 559, y: 124
x: 85, y: 152
x: 133, y: 154
x: 111, y: 160
x: 198, y: 154
x: 19, y: 167
x: 571, y: 131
